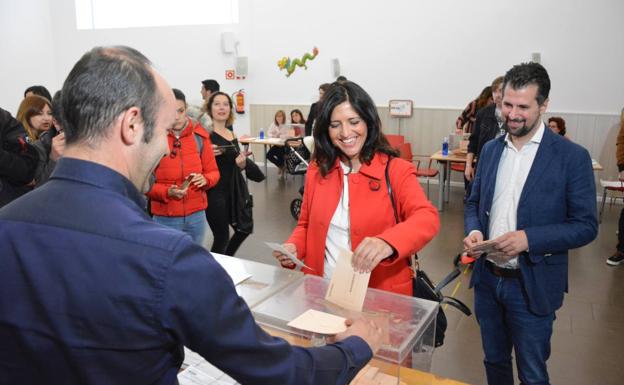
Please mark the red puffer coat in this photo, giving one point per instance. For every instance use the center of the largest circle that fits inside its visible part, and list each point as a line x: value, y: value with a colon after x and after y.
x: 184, y: 160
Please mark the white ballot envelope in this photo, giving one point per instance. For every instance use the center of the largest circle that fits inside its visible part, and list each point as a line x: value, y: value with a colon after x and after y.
x: 347, y: 288
x: 319, y: 322
x: 292, y: 257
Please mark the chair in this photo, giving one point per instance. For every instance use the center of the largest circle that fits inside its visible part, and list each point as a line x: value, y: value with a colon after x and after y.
x: 610, y: 185
x: 405, y: 152
x: 458, y: 166
x: 395, y: 140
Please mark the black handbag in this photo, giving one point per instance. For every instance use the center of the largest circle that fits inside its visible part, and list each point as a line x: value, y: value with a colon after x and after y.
x: 241, y: 203
x: 424, y: 287
x: 253, y: 172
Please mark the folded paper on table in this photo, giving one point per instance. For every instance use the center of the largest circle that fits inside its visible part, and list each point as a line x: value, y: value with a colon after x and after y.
x: 292, y: 257
x: 319, y: 322
x: 234, y: 267
x: 347, y: 287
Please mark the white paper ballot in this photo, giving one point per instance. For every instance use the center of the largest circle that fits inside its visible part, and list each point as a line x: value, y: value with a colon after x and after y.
x: 319, y: 322
x: 281, y: 249
x: 347, y: 287
x: 233, y: 266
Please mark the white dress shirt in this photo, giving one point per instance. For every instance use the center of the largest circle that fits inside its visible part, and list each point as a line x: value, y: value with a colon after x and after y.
x: 338, y: 234
x: 513, y: 169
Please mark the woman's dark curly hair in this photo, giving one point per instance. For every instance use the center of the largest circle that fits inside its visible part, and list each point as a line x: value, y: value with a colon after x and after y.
x: 325, y: 153
x: 560, y: 124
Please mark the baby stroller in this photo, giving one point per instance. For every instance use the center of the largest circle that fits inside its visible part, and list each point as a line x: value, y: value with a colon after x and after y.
x: 296, y: 156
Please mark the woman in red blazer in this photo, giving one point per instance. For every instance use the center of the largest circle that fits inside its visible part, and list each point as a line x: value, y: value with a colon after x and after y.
x: 346, y: 203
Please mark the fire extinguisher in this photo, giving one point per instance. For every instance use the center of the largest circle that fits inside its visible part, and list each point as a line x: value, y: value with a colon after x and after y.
x: 239, y: 101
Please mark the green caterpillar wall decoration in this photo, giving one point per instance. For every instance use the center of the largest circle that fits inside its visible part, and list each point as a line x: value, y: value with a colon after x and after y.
x: 290, y: 66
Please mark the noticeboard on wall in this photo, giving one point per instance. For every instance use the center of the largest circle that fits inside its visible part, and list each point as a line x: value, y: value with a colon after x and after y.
x: 400, y: 108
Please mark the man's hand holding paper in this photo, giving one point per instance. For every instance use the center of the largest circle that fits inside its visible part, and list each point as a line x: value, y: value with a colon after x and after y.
x: 504, y: 247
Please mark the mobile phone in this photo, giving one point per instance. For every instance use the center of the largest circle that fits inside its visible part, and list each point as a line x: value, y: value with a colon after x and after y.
x: 187, y: 181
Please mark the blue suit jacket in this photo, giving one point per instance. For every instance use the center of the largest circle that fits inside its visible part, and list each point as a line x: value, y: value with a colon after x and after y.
x: 557, y: 210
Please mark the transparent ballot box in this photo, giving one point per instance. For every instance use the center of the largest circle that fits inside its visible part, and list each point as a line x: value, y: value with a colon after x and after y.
x: 408, y: 323
x: 256, y: 281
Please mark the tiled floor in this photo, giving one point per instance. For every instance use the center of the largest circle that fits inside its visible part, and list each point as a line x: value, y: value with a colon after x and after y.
x: 588, y: 340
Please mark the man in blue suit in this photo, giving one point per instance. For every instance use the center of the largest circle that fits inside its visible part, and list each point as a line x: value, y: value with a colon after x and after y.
x: 534, y: 198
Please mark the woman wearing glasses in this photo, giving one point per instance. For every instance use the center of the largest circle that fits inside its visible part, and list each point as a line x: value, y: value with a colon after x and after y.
x: 178, y: 197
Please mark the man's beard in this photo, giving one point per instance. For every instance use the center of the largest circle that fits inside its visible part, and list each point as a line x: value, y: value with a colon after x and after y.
x: 522, y: 131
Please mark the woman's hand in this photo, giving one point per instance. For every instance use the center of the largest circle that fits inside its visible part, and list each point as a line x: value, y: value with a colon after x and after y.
x: 369, y: 253
x: 241, y: 160
x: 175, y: 193
x: 217, y: 151
x: 199, y: 180
x: 283, y: 259
x: 58, y: 146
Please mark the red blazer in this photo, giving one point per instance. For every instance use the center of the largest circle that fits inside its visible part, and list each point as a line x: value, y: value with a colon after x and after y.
x: 175, y: 170
x: 371, y: 215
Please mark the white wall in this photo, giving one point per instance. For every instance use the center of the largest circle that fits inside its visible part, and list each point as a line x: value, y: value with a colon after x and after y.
x: 26, y: 50
x: 440, y: 53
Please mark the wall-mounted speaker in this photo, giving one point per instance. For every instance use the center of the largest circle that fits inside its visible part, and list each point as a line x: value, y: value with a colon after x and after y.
x: 335, y: 65
x: 228, y: 42
x: 241, y: 66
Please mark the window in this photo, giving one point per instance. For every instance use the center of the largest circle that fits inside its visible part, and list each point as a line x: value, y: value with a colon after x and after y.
x: 103, y: 14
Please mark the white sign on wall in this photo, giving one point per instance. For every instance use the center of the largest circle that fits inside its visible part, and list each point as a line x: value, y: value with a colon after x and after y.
x: 400, y: 108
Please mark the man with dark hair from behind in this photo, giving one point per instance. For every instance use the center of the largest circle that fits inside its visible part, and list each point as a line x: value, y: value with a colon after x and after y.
x: 38, y: 90
x: 209, y: 87
x: 534, y: 198
x: 314, y: 109
x: 93, y: 291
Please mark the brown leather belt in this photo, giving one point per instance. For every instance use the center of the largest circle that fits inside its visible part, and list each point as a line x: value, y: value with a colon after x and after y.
x: 501, y: 271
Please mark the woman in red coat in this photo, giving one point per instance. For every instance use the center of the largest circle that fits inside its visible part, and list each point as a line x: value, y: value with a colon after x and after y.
x: 346, y: 203
x: 178, y: 197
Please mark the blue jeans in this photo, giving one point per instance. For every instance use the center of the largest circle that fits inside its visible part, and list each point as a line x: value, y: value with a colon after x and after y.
x: 194, y: 225
x: 505, y: 320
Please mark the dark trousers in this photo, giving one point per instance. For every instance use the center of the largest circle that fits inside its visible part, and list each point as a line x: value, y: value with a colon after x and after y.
x: 218, y: 216
x: 620, y: 245
x: 506, y: 322
x: 275, y: 155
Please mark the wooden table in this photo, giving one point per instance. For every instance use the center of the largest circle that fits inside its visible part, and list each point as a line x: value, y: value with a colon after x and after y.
x: 444, y: 176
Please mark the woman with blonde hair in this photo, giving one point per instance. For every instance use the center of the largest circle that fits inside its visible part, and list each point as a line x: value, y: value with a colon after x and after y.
x: 35, y: 114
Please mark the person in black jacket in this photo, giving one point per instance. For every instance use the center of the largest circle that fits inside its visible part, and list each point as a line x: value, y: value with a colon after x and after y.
x: 488, y: 124
x: 18, y: 159
x: 314, y: 109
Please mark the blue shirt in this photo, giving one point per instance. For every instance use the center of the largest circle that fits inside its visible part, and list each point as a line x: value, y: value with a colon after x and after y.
x: 92, y: 291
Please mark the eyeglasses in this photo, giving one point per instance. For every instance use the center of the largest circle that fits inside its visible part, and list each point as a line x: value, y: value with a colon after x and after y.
x: 176, y: 146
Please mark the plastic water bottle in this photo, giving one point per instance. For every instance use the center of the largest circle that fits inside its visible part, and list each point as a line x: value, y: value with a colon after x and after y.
x: 445, y: 146
x: 261, y: 134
